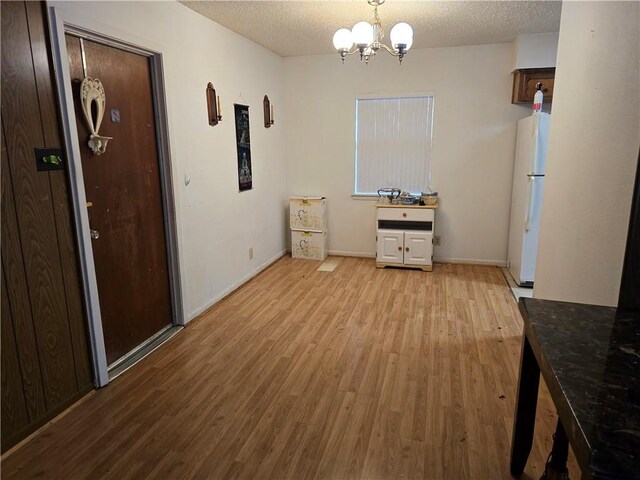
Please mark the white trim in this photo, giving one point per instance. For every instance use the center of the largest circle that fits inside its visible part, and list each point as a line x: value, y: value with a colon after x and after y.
x: 468, y: 261
x: 200, y: 310
x: 78, y: 197
x: 365, y: 196
x: 342, y: 253
x: 472, y: 261
x: 60, y: 22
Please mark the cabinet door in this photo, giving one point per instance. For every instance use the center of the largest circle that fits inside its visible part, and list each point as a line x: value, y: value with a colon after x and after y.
x: 418, y: 247
x: 390, y: 246
x: 524, y: 84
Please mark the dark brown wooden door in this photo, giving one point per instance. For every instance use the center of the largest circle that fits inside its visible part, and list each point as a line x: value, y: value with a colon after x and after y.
x: 124, y: 198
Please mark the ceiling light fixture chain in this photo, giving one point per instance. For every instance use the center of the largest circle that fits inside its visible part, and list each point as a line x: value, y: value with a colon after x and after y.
x: 377, y: 22
x: 367, y: 38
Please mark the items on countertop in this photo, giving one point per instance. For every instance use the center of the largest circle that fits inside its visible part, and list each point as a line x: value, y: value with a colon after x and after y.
x: 430, y: 198
x: 395, y: 196
x: 407, y: 199
x: 391, y: 194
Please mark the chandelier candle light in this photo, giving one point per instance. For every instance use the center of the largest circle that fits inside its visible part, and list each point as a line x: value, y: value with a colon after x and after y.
x: 367, y: 38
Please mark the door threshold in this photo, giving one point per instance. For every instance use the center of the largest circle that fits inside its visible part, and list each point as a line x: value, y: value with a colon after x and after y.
x: 127, y: 361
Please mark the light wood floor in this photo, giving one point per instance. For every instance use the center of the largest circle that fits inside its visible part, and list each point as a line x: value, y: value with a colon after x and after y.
x: 301, y: 374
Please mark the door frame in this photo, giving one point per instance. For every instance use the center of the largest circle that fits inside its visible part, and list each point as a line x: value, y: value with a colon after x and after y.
x: 59, y: 25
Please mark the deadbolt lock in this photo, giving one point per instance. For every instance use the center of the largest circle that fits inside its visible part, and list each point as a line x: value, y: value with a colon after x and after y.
x: 94, y: 234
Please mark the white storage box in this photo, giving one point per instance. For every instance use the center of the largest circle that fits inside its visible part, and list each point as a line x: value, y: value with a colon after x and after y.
x: 308, y: 213
x: 308, y: 245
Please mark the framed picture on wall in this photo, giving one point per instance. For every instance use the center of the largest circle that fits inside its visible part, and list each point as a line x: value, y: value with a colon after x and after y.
x: 243, y: 146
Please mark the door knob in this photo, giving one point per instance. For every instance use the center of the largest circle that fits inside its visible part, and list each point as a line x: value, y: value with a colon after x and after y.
x: 399, y: 249
x: 94, y: 234
x: 407, y: 249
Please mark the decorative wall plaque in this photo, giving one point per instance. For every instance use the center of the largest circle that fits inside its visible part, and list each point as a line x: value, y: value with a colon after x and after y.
x: 92, y: 92
x: 243, y: 144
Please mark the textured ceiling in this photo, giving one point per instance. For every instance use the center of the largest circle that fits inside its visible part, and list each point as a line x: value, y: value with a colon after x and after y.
x: 293, y: 28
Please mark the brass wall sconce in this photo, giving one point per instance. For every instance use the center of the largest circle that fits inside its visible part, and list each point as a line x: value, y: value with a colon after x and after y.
x: 268, y: 112
x: 213, y: 105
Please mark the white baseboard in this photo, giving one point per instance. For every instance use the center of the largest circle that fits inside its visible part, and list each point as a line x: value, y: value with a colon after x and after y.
x: 341, y: 253
x: 200, y: 310
x: 469, y: 261
x: 472, y: 261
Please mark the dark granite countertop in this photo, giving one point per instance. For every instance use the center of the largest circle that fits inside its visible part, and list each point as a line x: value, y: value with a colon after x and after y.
x: 590, y: 360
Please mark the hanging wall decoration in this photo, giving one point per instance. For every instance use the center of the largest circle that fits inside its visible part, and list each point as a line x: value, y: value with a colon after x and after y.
x: 243, y: 144
x: 92, y: 91
x: 214, y: 110
x: 268, y: 112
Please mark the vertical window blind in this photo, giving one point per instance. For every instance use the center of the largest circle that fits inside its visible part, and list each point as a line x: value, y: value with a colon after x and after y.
x: 393, y: 143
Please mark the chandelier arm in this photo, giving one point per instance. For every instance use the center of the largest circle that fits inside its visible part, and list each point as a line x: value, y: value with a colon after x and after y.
x: 390, y: 50
x: 351, y: 52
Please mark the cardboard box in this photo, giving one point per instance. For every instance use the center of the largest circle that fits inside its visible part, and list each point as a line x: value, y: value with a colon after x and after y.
x: 308, y: 214
x: 309, y: 245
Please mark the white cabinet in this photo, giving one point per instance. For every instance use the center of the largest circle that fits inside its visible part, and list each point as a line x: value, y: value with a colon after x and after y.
x: 405, y: 236
x: 390, y: 246
x: 418, y: 248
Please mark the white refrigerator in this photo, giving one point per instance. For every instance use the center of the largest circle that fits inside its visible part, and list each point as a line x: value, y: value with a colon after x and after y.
x: 526, y: 198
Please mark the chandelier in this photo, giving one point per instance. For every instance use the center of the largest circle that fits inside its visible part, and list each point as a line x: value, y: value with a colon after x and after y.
x: 367, y: 38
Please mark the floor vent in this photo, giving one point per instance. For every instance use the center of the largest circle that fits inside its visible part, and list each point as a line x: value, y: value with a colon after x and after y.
x: 329, y: 265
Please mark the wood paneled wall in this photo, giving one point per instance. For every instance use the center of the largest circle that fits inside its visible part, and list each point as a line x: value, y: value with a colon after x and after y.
x: 45, y: 358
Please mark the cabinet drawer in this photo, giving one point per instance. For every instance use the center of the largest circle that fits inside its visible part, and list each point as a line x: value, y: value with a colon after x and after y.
x: 407, y: 214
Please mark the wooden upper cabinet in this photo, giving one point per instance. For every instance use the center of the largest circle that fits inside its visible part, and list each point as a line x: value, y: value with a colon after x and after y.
x: 525, y: 80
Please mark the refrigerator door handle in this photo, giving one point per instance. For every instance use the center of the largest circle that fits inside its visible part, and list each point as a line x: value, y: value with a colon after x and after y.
x: 530, y: 203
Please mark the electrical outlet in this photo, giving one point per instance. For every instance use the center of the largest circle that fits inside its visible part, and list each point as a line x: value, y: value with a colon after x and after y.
x: 251, y: 253
x: 436, y: 240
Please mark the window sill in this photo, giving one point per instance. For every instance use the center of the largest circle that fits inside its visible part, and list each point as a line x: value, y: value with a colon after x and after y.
x: 365, y: 196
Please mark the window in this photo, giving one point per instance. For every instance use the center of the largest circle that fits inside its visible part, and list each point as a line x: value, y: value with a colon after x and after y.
x: 393, y: 143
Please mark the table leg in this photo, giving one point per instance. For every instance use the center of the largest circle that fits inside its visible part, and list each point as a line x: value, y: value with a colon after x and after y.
x: 556, y: 468
x: 525, y: 415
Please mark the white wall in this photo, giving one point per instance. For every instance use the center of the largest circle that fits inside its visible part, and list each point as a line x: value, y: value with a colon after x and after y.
x: 593, y: 151
x: 536, y: 50
x: 473, y: 142
x: 217, y: 225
